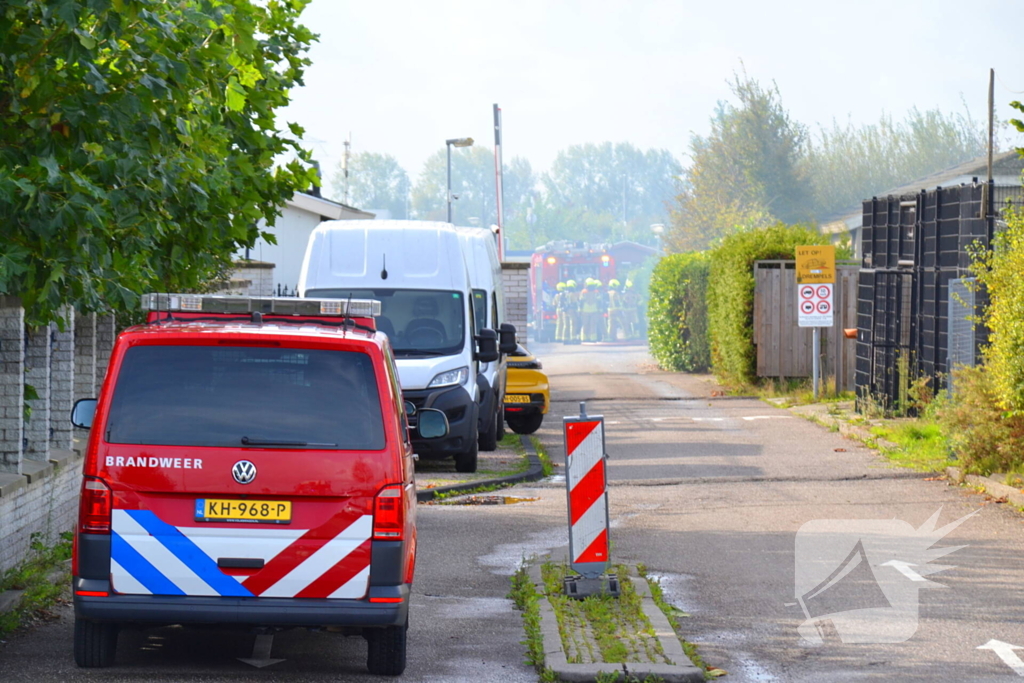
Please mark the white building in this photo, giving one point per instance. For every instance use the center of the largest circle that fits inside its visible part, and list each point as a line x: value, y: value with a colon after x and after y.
x: 300, y: 215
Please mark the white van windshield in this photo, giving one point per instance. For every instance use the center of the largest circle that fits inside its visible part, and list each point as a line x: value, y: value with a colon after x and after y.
x: 238, y: 396
x: 419, y: 322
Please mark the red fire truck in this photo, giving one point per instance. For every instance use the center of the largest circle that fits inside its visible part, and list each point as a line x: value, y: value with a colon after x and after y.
x: 559, y: 261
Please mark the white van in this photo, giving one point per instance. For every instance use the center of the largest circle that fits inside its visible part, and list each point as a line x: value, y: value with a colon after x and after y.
x: 481, y: 251
x: 417, y: 270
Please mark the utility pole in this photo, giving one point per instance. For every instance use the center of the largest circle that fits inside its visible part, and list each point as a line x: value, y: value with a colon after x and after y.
x: 344, y: 163
x: 991, y: 118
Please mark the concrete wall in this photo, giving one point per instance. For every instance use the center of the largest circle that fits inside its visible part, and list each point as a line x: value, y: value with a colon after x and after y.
x: 292, y: 231
x: 516, y: 280
x: 40, y: 458
x: 252, y: 278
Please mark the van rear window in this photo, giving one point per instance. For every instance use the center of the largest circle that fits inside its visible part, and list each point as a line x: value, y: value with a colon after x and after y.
x: 231, y: 396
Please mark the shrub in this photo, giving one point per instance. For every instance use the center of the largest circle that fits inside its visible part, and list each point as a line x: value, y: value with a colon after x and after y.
x: 731, y: 293
x: 999, y: 271
x: 677, y: 312
x: 983, y: 436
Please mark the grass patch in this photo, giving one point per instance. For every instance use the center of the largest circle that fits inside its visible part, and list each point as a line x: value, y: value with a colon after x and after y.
x: 526, y: 599
x: 511, y: 440
x: 922, y: 445
x: 34, y: 577
x: 547, y: 466
x: 483, y: 488
x: 795, y: 392
x: 598, y: 629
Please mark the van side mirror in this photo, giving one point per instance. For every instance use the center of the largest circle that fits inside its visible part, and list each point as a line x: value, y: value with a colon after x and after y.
x: 507, y: 338
x: 487, y: 346
x: 432, y: 423
x: 83, y: 412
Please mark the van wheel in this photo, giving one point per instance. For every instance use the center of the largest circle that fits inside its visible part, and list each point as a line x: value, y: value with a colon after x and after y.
x: 385, y: 651
x: 466, y: 462
x: 95, y: 643
x: 525, y: 424
x: 501, y: 424
x: 489, y: 438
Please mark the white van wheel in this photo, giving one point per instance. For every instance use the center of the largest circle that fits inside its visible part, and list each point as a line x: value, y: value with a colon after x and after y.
x: 489, y: 438
x: 466, y: 462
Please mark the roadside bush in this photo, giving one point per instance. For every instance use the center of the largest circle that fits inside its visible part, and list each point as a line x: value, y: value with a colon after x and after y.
x: 731, y: 293
x: 984, y: 437
x: 984, y: 420
x: 677, y: 312
x: 1000, y: 271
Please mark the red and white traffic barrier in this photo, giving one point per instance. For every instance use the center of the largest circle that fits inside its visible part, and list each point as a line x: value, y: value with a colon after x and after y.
x: 586, y: 484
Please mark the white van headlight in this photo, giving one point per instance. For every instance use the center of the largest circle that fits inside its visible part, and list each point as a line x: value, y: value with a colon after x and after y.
x: 450, y: 377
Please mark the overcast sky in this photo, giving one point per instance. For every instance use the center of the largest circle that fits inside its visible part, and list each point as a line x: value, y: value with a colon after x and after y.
x: 402, y: 76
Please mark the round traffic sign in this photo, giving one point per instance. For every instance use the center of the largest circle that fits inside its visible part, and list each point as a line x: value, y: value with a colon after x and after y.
x: 824, y: 291
x: 807, y: 307
x: 824, y: 307
x: 806, y: 292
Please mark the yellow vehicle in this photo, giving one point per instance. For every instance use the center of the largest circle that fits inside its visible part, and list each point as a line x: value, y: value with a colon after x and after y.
x: 526, y: 392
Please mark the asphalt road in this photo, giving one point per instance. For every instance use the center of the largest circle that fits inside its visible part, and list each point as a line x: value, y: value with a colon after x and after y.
x: 711, y: 494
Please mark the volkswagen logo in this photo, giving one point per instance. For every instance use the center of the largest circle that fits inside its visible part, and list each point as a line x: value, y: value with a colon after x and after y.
x: 244, y: 472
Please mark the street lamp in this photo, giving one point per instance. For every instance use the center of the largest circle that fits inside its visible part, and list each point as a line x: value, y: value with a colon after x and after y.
x: 458, y: 142
x: 658, y: 229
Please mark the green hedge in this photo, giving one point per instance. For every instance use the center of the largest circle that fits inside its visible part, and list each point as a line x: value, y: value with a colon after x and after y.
x: 731, y: 293
x: 677, y: 312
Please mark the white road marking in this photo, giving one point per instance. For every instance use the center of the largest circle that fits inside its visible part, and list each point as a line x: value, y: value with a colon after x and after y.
x: 1006, y: 653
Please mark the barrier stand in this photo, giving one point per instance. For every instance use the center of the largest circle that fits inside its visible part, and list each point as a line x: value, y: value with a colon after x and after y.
x: 587, y: 491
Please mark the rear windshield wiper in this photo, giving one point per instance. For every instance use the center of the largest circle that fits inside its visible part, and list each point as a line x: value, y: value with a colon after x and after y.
x: 247, y: 441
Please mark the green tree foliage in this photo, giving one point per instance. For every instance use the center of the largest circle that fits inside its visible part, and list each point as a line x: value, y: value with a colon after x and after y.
x: 619, y: 180
x: 1001, y: 272
x: 745, y: 173
x: 472, y: 182
x: 376, y: 181
x: 847, y: 164
x: 731, y: 293
x: 677, y: 315
x: 137, y: 142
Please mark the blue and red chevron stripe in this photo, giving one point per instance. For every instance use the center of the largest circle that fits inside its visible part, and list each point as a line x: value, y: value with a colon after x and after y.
x: 151, y: 557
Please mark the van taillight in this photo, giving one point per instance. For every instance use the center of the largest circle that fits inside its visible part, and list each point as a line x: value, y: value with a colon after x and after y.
x: 94, y: 507
x: 388, y: 514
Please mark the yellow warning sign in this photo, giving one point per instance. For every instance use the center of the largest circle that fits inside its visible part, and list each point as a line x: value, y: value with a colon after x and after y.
x: 816, y: 265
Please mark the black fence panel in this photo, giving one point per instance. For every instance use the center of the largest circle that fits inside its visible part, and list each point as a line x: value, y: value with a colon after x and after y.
x: 912, y: 247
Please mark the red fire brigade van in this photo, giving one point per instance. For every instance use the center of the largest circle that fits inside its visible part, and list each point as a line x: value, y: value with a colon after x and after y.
x: 249, y: 463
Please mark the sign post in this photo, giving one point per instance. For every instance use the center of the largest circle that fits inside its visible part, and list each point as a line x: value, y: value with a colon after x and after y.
x: 587, y: 492
x: 815, y: 279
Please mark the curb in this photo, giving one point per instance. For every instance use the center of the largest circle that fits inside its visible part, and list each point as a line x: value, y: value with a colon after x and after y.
x: 534, y: 472
x: 554, y: 656
x: 992, y: 488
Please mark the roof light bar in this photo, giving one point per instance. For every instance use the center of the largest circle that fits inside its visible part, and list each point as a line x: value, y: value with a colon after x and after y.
x: 209, y: 303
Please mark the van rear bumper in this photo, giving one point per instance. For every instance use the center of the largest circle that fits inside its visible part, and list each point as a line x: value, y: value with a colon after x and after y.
x: 164, y: 610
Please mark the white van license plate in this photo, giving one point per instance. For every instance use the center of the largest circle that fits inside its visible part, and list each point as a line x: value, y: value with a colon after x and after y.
x: 266, y: 511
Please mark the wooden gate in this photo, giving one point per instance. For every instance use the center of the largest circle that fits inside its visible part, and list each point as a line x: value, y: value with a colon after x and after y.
x: 784, y: 348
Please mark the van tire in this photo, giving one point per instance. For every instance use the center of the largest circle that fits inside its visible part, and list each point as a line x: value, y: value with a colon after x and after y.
x: 501, y: 423
x: 489, y: 437
x: 95, y: 643
x: 466, y: 462
x: 385, y: 649
x: 525, y: 424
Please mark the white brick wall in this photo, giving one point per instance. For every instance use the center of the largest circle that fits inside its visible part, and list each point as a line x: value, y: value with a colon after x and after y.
x: 515, y: 280
x: 48, y: 506
x: 62, y: 382
x: 12, y: 382
x: 37, y: 374
x: 39, y: 475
